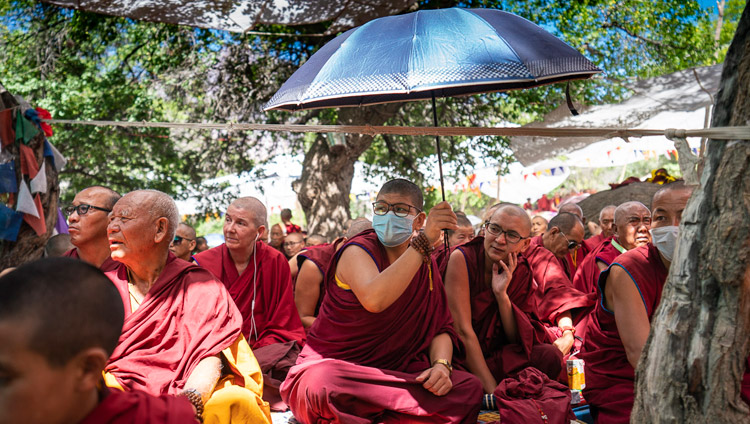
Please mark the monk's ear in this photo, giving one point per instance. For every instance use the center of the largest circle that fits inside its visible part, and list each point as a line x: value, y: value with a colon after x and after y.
x: 419, y: 221
x: 262, y: 232
x: 87, y: 368
x: 525, y: 244
x: 162, y: 224
x: 614, y: 228
x: 192, y: 246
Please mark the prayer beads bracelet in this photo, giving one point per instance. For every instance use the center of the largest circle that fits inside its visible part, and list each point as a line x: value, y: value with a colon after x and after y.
x: 422, y: 244
x: 568, y: 328
x: 195, y: 398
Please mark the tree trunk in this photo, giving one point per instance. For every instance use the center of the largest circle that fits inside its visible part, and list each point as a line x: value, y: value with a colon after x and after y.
x: 28, y: 246
x: 327, y: 171
x: 694, y: 360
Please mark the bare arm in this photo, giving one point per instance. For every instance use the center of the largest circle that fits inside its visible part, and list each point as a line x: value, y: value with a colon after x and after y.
x: 500, y: 284
x: 204, y: 376
x: 437, y: 378
x: 457, y: 291
x: 565, y: 342
x: 622, y: 298
x: 375, y: 290
x: 307, y: 292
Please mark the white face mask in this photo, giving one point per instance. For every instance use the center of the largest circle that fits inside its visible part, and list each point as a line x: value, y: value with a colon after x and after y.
x: 665, y: 239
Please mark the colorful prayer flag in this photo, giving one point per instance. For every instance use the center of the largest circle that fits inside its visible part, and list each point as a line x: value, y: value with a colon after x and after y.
x: 25, y: 129
x: 28, y: 161
x: 26, y: 201
x: 10, y: 223
x: 8, y: 182
x: 39, y: 183
x: 37, y: 223
x: 7, y: 135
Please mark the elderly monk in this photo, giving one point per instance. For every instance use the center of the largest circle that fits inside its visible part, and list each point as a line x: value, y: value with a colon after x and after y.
x: 293, y: 244
x: 563, y: 236
x: 630, y: 293
x: 538, y: 225
x: 575, y: 256
x: 59, y: 321
x: 183, y: 243
x: 87, y: 226
x: 258, y: 279
x: 491, y: 296
x: 560, y: 305
x: 180, y: 321
x: 276, y: 239
x: 313, y: 265
x: 606, y: 222
x: 632, y: 221
x: 382, y: 347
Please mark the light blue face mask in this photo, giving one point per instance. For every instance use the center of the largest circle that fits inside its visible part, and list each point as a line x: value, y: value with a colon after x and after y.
x: 392, y: 230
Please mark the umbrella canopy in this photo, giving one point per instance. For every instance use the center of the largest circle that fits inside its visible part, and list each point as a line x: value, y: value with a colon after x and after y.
x: 445, y: 52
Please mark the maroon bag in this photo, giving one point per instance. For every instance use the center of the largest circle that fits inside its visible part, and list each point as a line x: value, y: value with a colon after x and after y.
x: 531, y: 397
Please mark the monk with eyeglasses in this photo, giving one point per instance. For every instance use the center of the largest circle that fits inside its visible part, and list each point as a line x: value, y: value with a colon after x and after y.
x: 183, y: 244
x: 491, y: 296
x: 87, y: 225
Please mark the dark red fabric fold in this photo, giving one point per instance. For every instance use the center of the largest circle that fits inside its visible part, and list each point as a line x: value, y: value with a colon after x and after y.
x: 321, y: 255
x: 276, y: 316
x: 587, y: 274
x: 396, y: 339
x: 185, y: 317
x: 109, y: 264
x: 7, y: 134
x: 592, y: 243
x: 555, y: 292
x: 609, y: 375
x: 531, y: 397
x: 118, y: 407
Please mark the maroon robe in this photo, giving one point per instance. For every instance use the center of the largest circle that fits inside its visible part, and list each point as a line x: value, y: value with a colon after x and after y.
x: 587, y: 275
x: 276, y: 317
x: 609, y: 375
x: 592, y: 243
x: 504, y: 359
x: 359, y: 366
x: 555, y: 292
x: 573, y: 260
x: 321, y: 255
x: 109, y: 264
x: 185, y: 317
x: 441, y: 255
x: 118, y: 407
x: 274, y: 329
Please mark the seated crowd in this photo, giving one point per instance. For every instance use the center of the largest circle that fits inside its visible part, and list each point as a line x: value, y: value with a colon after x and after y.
x: 142, y: 322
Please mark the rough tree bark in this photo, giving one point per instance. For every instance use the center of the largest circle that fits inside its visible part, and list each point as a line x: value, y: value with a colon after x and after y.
x: 694, y: 360
x: 28, y: 246
x: 327, y: 171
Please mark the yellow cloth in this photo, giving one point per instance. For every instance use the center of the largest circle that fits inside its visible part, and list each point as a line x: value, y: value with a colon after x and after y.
x: 237, y: 397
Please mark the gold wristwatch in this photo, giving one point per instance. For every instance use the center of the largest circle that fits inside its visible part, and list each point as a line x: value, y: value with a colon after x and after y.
x: 444, y: 362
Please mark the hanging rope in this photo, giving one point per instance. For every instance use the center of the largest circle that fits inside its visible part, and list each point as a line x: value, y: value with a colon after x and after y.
x: 719, y: 133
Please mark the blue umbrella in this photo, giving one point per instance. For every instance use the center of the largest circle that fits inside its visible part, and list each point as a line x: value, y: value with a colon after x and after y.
x: 429, y: 53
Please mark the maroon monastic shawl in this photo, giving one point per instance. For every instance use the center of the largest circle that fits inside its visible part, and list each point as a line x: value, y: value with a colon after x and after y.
x: 554, y: 290
x: 185, y: 317
x: 321, y: 255
x: 397, y: 338
x: 571, y: 266
x: 609, y: 375
x: 276, y: 316
x: 485, y: 314
x: 587, y: 275
x: 118, y: 407
x: 109, y: 264
x: 592, y: 243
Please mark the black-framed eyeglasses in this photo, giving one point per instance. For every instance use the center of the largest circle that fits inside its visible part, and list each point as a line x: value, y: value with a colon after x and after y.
x: 495, y: 230
x: 572, y: 244
x: 381, y: 207
x: 178, y: 239
x: 83, y: 208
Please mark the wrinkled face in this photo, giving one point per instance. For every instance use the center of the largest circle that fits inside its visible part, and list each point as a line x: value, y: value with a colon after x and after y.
x: 277, y: 236
x: 293, y: 243
x: 461, y: 235
x: 497, y: 248
x: 182, y: 246
x: 31, y: 390
x: 632, y: 227
x: 92, y: 225
x: 607, y: 221
x: 668, y: 207
x: 132, y: 230
x: 240, y: 231
x: 561, y: 242
x: 538, y: 226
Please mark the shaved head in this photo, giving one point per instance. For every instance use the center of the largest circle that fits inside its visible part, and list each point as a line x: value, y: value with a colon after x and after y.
x: 188, y: 230
x: 315, y: 239
x: 565, y: 222
x: 159, y: 205
x: 255, y: 207
x: 404, y: 188
x: 357, y: 226
x: 58, y: 244
x: 462, y: 220
x: 608, y: 210
x: 627, y: 209
x: 570, y: 207
x: 68, y: 304
x: 516, y: 211
x: 110, y: 196
x: 632, y: 222
x: 676, y: 186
